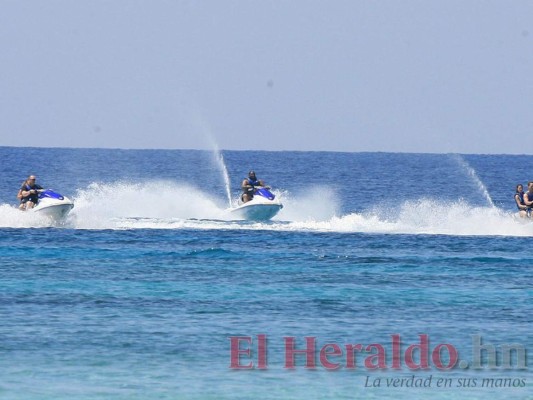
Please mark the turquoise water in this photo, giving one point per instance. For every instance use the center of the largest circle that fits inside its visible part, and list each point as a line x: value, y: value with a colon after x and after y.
x: 138, y: 294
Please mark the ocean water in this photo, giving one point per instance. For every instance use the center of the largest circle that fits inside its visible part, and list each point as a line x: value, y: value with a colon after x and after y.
x: 149, y: 290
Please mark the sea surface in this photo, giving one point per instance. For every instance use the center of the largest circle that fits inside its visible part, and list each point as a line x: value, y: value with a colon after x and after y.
x: 398, y: 268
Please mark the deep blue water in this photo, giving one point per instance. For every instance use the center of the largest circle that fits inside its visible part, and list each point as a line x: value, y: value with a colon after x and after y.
x: 137, y: 295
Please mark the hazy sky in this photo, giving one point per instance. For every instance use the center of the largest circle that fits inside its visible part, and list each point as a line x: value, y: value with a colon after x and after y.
x: 359, y: 75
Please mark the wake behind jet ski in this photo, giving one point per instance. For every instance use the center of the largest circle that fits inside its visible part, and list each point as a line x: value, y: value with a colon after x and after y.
x: 257, y: 203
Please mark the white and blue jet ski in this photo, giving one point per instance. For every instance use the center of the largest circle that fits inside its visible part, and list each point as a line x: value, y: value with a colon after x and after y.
x: 263, y: 206
x: 53, y: 205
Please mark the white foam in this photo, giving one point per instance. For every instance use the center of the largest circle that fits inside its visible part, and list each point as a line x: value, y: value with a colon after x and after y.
x: 101, y: 205
x: 12, y: 217
x: 174, y: 205
x: 428, y: 217
x: 318, y: 203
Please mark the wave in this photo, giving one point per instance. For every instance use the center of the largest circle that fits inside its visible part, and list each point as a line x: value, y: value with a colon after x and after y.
x: 100, y: 206
x: 12, y: 217
x: 428, y: 217
x: 172, y: 205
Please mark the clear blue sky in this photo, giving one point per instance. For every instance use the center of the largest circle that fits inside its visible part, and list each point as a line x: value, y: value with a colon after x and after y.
x: 359, y: 75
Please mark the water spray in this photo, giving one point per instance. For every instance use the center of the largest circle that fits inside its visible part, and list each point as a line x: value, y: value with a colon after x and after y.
x: 219, y: 158
x: 472, y: 173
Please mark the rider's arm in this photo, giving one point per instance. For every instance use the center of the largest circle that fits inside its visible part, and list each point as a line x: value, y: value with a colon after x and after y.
x: 23, y: 193
x: 528, y: 202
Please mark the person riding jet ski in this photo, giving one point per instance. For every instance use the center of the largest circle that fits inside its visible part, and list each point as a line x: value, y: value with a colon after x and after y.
x: 29, y: 193
x: 248, y: 186
x: 527, y: 198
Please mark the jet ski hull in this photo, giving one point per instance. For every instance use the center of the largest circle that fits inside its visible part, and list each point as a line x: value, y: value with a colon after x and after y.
x: 53, y: 205
x: 263, y: 206
x: 256, y: 212
x: 54, y: 211
x: 522, y: 218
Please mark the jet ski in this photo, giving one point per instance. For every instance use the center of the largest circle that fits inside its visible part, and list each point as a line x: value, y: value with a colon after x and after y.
x: 523, y: 218
x: 53, y: 205
x: 263, y: 206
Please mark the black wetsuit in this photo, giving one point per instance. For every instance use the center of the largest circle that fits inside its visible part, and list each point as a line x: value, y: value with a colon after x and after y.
x: 33, y: 197
x: 529, y: 198
x: 521, y: 200
x: 251, y: 190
